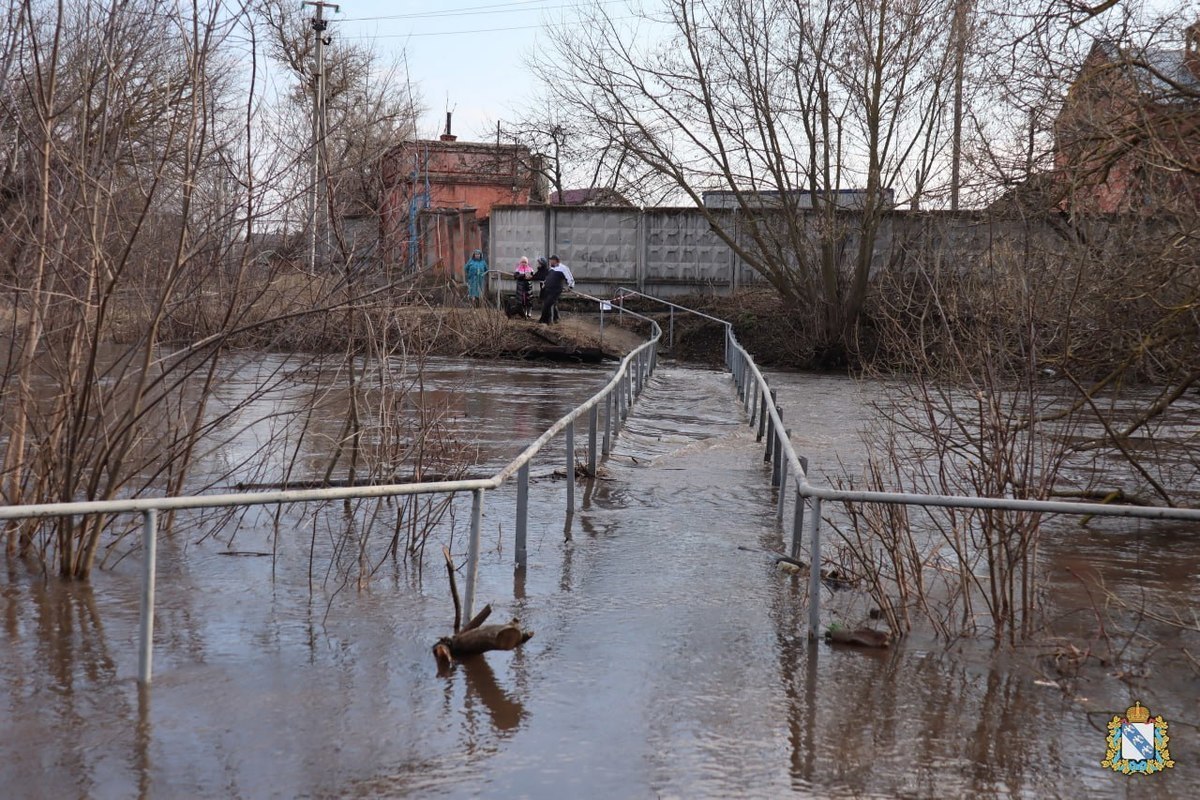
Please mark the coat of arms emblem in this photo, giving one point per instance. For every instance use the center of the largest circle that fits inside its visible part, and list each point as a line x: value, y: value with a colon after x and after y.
x: 1137, y: 743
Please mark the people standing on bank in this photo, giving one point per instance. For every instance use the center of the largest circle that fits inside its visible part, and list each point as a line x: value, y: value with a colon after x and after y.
x: 475, y: 271
x: 539, y: 275
x: 558, y: 278
x: 524, y: 277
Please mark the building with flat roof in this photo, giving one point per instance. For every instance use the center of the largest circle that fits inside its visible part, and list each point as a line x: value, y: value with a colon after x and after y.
x: 438, y: 195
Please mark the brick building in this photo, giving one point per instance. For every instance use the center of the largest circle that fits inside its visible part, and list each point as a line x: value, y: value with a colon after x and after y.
x: 438, y: 196
x: 1128, y: 136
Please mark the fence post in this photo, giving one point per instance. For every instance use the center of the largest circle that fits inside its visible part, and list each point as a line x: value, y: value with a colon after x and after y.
x: 608, y: 422
x: 777, y: 456
x: 769, y: 453
x: 783, y: 471
x: 149, y: 569
x: 753, y: 403
x: 798, y: 517
x: 571, y: 467
x: 522, y: 514
x: 593, y: 414
x: 671, y: 331
x: 797, y: 525
x: 762, y: 415
x: 814, y: 571
x: 473, y: 553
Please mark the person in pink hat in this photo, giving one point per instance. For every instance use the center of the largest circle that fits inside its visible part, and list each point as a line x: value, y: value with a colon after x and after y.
x: 524, y: 276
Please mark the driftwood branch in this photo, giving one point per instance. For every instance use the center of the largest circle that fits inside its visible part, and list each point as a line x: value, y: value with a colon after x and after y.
x: 453, y: 587
x: 478, y: 619
x: 474, y: 638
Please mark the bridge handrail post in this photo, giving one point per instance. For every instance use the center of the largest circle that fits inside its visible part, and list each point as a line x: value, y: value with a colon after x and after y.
x: 608, y: 423
x: 593, y: 416
x: 473, y: 552
x: 783, y: 471
x: 814, y: 571
x: 149, y: 577
x: 571, y: 467
x: 522, y: 525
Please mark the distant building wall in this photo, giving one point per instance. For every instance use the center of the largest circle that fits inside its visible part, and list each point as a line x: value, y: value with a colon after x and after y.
x: 671, y: 251
x: 448, y: 176
x: 666, y: 252
x: 840, y: 198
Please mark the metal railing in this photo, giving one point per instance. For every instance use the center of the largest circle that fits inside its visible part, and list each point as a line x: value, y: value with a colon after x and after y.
x: 758, y: 401
x: 617, y: 397
x: 623, y: 292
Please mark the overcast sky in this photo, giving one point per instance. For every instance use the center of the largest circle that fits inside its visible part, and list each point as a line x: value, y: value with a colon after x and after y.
x: 469, y: 54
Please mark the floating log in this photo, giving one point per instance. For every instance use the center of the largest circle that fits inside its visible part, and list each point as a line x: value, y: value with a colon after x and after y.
x: 485, y: 638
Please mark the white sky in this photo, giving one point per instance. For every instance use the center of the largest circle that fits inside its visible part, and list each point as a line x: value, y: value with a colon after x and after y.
x: 469, y: 54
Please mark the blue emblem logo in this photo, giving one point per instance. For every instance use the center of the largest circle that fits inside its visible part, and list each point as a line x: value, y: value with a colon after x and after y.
x: 1137, y: 743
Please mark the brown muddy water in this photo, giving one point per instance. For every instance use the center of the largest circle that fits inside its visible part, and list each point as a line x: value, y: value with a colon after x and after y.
x: 667, y: 662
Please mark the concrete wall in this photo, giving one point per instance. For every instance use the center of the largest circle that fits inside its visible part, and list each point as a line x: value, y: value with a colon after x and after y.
x: 666, y: 252
x: 659, y: 251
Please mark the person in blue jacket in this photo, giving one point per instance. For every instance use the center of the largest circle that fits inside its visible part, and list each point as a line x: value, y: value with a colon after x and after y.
x: 475, y: 271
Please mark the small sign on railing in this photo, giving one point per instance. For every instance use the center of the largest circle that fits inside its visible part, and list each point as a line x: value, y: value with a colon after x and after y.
x: 605, y: 305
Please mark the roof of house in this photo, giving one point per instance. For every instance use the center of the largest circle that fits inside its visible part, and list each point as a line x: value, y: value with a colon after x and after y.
x: 596, y: 195
x: 1166, y: 75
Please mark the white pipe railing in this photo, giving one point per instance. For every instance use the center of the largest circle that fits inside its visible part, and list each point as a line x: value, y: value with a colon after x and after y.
x: 758, y: 399
x: 751, y: 382
x: 637, y: 364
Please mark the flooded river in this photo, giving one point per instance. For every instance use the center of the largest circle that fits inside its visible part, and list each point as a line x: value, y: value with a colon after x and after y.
x: 667, y: 661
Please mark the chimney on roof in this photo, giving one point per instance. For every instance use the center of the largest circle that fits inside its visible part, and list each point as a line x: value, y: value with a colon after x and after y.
x: 448, y: 136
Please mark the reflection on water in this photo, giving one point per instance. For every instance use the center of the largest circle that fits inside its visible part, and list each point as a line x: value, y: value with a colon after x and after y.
x: 666, y: 661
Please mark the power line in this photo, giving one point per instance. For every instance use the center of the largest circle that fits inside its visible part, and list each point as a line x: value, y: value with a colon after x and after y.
x: 463, y: 33
x: 493, y: 8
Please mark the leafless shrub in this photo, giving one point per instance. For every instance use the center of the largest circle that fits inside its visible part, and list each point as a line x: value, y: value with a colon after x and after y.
x: 144, y: 233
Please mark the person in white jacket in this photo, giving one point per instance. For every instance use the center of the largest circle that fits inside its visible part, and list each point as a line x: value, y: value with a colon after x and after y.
x: 558, y: 278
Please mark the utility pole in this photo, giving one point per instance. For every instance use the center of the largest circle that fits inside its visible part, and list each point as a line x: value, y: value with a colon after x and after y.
x: 958, y: 34
x: 319, y: 24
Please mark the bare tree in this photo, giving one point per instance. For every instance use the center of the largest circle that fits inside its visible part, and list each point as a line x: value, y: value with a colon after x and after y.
x: 137, y: 206
x: 1054, y: 347
x: 781, y: 106
x: 369, y: 108
x: 570, y: 152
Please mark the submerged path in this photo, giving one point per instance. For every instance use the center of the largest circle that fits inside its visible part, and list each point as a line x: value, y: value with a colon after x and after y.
x: 667, y: 662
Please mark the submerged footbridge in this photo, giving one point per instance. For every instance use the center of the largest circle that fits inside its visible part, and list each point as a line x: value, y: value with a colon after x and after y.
x: 669, y: 657
x: 686, y: 418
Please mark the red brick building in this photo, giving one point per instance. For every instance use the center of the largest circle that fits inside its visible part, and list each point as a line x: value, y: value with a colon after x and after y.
x: 1128, y: 137
x: 438, y: 196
